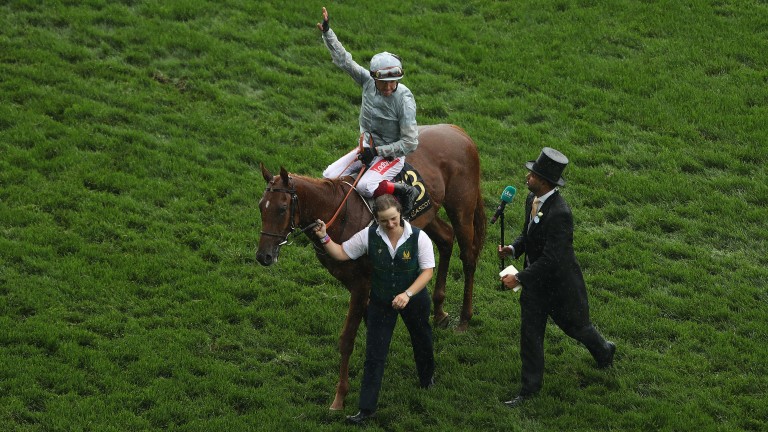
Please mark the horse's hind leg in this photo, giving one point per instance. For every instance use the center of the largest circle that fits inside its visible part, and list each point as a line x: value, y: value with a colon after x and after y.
x: 470, y: 233
x: 441, y: 234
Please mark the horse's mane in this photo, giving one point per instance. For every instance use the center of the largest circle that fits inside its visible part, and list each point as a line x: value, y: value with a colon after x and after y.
x: 337, y: 188
x: 334, y: 186
x: 331, y: 192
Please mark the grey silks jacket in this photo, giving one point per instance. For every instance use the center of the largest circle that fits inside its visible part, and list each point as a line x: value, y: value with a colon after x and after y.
x: 390, y: 120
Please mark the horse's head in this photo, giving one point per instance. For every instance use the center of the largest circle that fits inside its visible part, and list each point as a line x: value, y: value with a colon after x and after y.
x: 279, y: 213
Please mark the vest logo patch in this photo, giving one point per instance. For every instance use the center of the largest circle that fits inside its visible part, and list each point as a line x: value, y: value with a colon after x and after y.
x: 406, y: 255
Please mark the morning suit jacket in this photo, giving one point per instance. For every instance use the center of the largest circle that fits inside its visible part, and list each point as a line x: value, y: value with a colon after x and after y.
x: 551, y: 273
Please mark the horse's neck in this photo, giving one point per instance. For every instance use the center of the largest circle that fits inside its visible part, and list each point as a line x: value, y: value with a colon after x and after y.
x: 322, y: 199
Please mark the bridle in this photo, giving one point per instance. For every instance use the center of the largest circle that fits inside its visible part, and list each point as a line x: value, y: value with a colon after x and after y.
x: 291, y: 190
x: 293, y: 209
x: 292, y: 214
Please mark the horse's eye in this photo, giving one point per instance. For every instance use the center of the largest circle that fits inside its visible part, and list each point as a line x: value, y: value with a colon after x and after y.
x: 283, y: 209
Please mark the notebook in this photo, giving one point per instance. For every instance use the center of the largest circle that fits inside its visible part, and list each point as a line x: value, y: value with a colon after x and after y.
x: 511, y: 270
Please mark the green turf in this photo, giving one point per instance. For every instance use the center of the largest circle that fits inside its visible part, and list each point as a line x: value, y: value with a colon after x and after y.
x: 130, y: 138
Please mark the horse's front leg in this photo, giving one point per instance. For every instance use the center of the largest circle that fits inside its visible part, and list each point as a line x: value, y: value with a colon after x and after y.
x: 357, y: 303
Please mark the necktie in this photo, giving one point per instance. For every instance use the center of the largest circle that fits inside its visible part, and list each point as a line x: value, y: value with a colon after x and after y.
x: 535, y: 207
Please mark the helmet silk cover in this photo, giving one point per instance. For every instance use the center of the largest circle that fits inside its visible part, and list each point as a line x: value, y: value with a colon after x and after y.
x: 386, y: 67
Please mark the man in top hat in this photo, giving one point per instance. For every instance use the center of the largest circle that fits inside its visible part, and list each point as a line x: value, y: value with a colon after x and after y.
x: 553, y: 284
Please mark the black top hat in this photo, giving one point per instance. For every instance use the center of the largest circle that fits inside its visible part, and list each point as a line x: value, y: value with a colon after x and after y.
x: 549, y: 165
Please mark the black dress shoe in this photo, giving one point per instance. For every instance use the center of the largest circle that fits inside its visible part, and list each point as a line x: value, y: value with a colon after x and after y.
x: 430, y: 384
x: 518, y: 400
x: 359, y: 418
x: 608, y: 362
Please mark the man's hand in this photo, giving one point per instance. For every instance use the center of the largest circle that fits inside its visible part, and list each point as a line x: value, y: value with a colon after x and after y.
x: 367, y: 155
x: 324, y: 25
x: 505, y: 251
x: 510, y: 281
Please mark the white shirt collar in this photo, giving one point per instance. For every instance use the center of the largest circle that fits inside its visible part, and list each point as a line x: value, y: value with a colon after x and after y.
x: 407, y: 231
x: 545, y: 196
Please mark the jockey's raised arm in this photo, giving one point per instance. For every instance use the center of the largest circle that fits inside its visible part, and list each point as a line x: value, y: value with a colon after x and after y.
x: 387, y: 115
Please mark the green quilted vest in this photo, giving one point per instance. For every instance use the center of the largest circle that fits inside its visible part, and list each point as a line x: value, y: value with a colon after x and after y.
x: 392, y: 276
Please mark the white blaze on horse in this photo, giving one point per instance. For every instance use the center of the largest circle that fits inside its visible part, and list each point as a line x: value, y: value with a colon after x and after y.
x: 448, y: 162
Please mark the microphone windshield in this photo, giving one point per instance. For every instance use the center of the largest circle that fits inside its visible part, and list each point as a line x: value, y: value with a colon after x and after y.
x: 508, y: 194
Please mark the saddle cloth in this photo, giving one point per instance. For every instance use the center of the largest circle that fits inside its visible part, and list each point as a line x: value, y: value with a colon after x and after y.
x: 410, y: 176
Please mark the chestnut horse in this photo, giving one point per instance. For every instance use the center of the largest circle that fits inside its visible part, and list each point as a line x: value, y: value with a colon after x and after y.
x: 449, y: 164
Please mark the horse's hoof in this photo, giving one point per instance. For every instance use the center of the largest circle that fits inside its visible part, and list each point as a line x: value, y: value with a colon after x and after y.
x: 442, y: 321
x: 462, y: 327
x: 337, y: 405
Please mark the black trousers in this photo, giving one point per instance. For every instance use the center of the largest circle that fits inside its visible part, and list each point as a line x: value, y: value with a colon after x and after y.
x: 381, y: 323
x: 534, y: 312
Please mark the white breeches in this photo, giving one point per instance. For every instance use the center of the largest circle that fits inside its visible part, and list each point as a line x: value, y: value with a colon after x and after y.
x: 381, y: 169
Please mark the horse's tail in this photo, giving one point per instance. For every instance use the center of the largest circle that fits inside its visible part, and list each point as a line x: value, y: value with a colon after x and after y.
x: 479, y: 223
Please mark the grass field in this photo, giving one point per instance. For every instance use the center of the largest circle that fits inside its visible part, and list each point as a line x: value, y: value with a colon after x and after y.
x: 130, y: 138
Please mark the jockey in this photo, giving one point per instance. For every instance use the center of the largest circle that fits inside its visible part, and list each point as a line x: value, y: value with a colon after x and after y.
x: 388, y: 129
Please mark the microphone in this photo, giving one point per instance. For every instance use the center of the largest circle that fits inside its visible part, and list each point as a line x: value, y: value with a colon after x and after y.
x: 506, y: 198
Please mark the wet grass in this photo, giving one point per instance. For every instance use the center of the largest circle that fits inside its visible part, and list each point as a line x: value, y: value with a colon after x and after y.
x: 130, y: 138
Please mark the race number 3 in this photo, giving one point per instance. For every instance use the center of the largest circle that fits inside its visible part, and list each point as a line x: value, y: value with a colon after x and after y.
x: 416, y: 183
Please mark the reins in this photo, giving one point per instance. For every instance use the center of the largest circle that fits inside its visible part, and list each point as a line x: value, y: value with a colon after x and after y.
x: 359, y: 175
x: 338, y: 210
x: 291, y: 190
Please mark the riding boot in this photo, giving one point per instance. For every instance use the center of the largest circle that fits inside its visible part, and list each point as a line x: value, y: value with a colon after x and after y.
x: 407, y: 195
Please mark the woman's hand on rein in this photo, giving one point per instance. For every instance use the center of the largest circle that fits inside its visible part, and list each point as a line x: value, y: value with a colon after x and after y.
x: 320, y: 229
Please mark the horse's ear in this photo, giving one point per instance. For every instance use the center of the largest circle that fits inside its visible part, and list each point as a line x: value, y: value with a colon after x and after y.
x: 265, y: 173
x: 284, y: 175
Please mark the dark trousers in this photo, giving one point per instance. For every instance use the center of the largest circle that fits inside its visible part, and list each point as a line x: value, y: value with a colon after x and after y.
x: 534, y: 313
x: 381, y: 323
